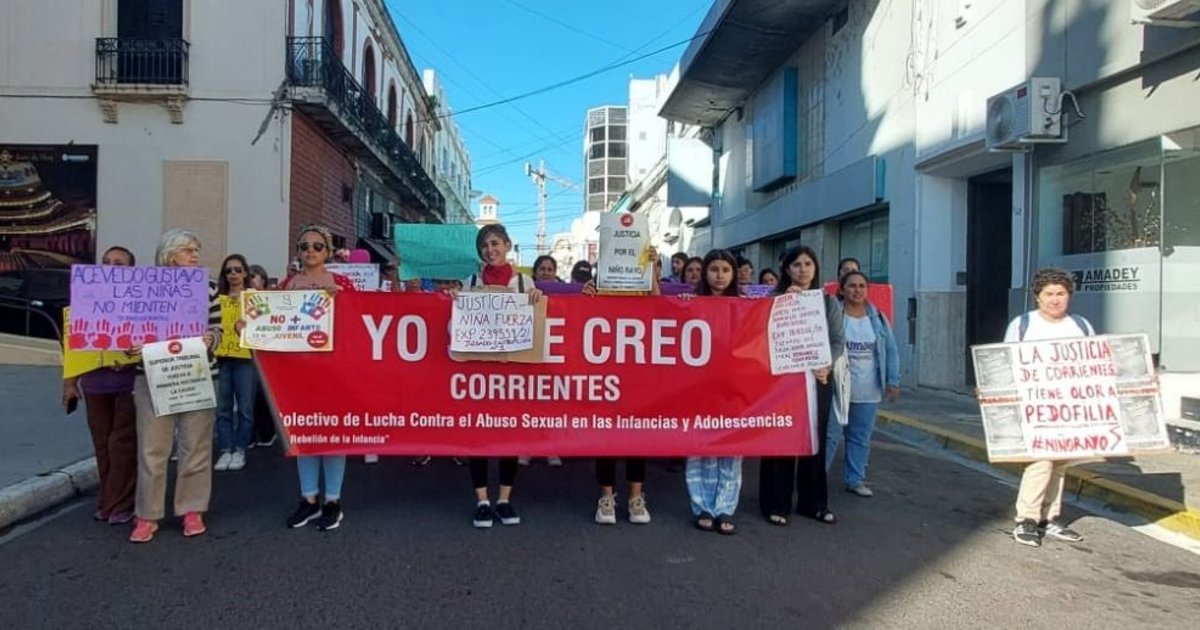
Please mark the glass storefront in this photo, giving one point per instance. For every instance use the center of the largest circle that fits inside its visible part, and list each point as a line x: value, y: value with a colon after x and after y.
x: 866, y: 238
x: 1126, y: 223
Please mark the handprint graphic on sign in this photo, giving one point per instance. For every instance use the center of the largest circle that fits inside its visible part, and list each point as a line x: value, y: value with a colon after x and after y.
x: 175, y: 330
x: 125, y: 336
x: 315, y: 305
x: 102, y: 340
x: 149, y: 333
x: 257, y: 306
x: 79, y: 335
x: 195, y: 329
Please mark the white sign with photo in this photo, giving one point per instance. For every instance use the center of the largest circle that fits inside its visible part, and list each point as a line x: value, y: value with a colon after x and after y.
x: 799, y: 333
x: 1075, y: 398
x: 625, y: 263
x: 178, y: 375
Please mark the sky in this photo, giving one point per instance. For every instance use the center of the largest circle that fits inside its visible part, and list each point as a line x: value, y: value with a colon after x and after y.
x: 488, y: 50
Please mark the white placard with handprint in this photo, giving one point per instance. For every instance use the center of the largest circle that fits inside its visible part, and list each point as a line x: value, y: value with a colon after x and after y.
x: 178, y: 376
x: 288, y: 321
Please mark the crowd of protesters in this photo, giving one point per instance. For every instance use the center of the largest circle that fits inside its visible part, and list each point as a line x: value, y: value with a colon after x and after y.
x: 134, y: 447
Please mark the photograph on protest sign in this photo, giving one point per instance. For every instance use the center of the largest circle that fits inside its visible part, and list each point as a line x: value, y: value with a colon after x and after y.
x: 625, y: 262
x: 1071, y: 399
x: 48, y: 218
x: 117, y: 307
x: 288, y: 321
x: 1002, y: 428
x: 798, y: 333
x: 178, y: 376
x: 994, y: 368
x: 365, y: 276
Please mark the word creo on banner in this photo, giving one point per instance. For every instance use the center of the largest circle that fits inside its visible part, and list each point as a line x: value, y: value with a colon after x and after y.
x: 621, y: 376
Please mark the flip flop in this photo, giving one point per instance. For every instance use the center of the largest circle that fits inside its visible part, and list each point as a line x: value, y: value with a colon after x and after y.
x: 700, y: 522
x: 725, y: 526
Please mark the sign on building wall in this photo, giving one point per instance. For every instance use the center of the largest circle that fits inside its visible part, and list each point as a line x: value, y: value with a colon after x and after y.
x: 47, y: 205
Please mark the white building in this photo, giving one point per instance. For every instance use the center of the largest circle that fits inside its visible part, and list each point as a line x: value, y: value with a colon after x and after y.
x: 452, y: 164
x: 489, y: 211
x: 240, y: 120
x: 863, y: 134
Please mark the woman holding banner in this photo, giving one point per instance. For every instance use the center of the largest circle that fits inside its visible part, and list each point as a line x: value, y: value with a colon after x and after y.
x: 496, y: 273
x: 192, y: 431
x: 874, y: 375
x: 782, y: 477
x: 107, y: 390
x: 715, y: 483
x: 237, y: 381
x: 1039, y: 499
x: 315, y: 245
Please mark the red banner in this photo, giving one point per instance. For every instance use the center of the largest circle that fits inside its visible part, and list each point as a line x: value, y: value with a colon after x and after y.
x: 623, y: 376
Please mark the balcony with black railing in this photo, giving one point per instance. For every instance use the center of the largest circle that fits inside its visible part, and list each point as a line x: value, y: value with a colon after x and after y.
x: 324, y: 89
x: 141, y: 63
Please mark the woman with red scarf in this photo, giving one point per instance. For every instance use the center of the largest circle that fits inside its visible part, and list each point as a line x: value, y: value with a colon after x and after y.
x: 493, y: 245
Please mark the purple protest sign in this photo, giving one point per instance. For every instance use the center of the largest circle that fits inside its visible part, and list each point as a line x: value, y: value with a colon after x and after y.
x: 756, y: 290
x: 117, y: 307
x: 558, y: 288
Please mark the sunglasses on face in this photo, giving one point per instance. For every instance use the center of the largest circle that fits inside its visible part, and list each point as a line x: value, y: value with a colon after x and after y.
x: 316, y: 247
x: 230, y: 270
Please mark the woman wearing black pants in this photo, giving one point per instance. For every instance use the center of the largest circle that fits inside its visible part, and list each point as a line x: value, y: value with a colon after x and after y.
x: 781, y: 477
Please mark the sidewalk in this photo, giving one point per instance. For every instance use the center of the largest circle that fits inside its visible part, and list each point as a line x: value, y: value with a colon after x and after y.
x: 45, y: 455
x: 1163, y: 488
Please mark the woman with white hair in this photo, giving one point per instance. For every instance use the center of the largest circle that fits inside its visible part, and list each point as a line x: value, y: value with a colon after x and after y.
x: 155, y: 434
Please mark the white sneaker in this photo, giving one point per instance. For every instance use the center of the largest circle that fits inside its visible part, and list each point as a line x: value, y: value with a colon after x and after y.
x: 606, y: 510
x: 638, y: 514
x: 223, y: 461
x: 554, y: 461
x: 238, y: 461
x: 861, y: 490
x: 371, y: 459
x: 522, y: 461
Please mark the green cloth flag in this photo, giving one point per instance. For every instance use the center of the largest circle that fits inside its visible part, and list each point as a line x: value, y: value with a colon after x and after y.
x: 436, y: 250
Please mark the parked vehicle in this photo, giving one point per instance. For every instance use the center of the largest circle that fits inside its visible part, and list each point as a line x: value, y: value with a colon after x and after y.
x: 32, y: 301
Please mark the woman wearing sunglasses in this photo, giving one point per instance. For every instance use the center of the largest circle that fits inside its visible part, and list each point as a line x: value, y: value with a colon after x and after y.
x: 315, y: 246
x: 237, y: 382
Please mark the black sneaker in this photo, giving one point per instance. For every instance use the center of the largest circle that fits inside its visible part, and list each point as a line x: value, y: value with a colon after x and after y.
x: 331, y: 516
x: 506, y: 514
x: 483, y: 516
x: 304, y: 513
x: 1062, y: 532
x: 1026, y: 533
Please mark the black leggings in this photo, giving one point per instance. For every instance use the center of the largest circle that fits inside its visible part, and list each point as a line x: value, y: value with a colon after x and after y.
x: 782, y: 478
x: 606, y: 470
x: 479, y: 471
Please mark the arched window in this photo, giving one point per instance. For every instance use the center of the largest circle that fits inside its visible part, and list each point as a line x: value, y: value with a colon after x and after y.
x: 368, y: 78
x: 331, y: 26
x: 391, y: 105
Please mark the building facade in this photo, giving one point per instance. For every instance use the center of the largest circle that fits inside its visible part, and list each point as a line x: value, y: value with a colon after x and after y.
x: 452, y: 163
x: 238, y: 120
x: 605, y: 156
x: 859, y: 128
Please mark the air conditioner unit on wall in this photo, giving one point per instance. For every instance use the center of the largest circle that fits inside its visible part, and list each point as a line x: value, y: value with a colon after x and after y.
x: 1029, y: 113
x: 1165, y: 12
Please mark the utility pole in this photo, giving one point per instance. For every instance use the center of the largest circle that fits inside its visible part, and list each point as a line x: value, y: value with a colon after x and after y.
x: 539, y: 177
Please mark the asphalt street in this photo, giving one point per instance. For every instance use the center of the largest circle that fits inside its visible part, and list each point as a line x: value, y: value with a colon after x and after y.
x: 930, y: 550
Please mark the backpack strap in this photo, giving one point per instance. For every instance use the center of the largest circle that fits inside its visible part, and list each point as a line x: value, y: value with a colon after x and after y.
x: 1023, y: 327
x: 474, y: 280
x: 1083, y: 324
x: 520, y: 282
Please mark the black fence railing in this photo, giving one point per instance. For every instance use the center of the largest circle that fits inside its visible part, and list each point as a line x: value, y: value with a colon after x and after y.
x: 312, y: 62
x: 122, y: 60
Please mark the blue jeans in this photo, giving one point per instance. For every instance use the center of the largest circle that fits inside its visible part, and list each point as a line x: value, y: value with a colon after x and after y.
x: 310, y: 467
x: 237, y: 382
x: 858, y: 442
x: 714, y: 484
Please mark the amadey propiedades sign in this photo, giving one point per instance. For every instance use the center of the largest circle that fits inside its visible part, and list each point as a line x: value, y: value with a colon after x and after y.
x: 631, y: 376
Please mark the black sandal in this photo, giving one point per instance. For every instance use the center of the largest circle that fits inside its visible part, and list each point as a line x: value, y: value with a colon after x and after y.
x: 826, y: 517
x: 725, y: 526
x: 778, y: 520
x: 702, y: 525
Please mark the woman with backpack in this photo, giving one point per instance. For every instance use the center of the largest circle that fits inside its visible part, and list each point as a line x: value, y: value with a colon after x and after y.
x: 1039, y: 499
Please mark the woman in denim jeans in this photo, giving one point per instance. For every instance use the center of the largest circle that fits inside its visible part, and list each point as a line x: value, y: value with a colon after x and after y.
x: 874, y: 376
x: 237, y: 382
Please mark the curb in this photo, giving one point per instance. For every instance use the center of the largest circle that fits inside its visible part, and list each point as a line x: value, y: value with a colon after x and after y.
x: 37, y: 494
x: 1169, y: 514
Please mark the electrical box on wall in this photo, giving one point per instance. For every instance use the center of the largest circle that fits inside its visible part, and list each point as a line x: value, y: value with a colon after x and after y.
x: 1026, y: 114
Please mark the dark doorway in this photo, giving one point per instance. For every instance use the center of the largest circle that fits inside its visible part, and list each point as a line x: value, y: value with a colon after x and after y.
x: 331, y: 26
x: 989, y: 259
x: 150, y: 41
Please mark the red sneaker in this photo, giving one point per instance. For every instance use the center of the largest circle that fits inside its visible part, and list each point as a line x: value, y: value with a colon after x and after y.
x: 193, y: 524
x: 143, y: 530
